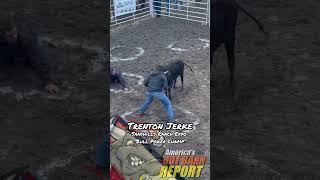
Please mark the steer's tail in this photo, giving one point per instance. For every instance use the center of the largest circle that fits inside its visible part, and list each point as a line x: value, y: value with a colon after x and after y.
x: 188, y: 67
x: 253, y: 18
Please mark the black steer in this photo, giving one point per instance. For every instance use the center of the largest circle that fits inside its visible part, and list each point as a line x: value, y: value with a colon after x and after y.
x: 225, y: 13
x: 172, y: 71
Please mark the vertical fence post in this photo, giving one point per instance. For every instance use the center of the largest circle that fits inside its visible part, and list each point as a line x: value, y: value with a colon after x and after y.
x: 136, y: 7
x: 110, y: 9
x: 187, y: 9
x: 114, y: 12
x: 207, y: 13
x: 134, y: 13
x: 208, y: 16
x: 151, y: 8
x: 169, y: 7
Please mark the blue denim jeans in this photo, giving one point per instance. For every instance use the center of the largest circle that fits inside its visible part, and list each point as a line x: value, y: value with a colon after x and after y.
x: 162, y: 98
x: 102, y: 152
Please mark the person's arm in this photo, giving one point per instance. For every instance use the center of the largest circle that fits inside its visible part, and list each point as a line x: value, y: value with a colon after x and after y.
x: 146, y: 82
x: 122, y: 80
x: 165, y: 81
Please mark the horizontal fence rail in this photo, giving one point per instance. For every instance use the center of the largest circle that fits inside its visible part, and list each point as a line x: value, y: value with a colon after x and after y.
x: 192, y: 10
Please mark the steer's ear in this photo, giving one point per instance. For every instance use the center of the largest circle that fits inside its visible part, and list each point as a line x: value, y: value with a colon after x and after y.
x: 166, y: 72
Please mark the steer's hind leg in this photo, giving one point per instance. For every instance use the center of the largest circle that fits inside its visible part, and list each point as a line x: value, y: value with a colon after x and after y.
x: 181, y: 76
x: 229, y: 45
x: 215, y: 46
x: 218, y: 32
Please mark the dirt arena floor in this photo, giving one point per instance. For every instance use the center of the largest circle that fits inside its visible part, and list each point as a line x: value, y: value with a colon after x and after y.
x: 151, y: 41
x: 271, y: 130
x: 56, y: 135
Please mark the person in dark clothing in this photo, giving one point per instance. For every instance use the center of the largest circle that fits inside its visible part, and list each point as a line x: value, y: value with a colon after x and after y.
x: 14, y: 46
x: 116, y: 77
x: 156, y: 83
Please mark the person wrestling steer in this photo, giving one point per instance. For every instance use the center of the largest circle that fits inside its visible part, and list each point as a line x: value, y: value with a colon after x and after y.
x: 14, y: 46
x: 116, y: 77
x: 156, y: 83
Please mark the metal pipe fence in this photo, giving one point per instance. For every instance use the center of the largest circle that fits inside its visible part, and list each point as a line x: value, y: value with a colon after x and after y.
x: 192, y: 10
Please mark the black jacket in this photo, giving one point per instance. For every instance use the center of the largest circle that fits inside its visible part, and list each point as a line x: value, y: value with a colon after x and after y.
x: 117, y: 78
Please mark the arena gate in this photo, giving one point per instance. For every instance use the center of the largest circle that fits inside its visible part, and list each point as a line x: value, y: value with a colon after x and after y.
x: 122, y: 11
